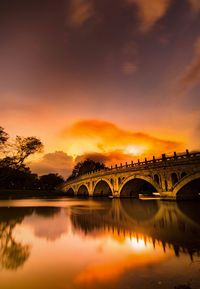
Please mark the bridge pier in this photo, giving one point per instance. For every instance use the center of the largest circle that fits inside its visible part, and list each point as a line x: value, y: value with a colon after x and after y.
x: 116, y: 194
x: 169, y: 195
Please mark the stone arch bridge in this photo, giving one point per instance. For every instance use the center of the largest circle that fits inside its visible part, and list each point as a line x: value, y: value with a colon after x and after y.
x: 174, y: 177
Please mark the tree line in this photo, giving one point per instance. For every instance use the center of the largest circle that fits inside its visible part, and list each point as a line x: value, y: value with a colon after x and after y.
x: 14, y: 173
x: 84, y: 167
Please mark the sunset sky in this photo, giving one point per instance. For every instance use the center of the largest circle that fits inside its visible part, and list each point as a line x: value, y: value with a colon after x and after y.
x: 107, y: 79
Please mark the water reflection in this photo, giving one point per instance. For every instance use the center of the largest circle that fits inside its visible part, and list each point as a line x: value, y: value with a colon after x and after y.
x: 48, y: 223
x: 168, y: 223
x: 102, y: 244
x: 13, y: 254
x: 46, y: 211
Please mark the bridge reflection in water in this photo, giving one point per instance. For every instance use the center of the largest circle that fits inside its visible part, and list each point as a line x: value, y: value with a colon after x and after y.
x: 115, y: 244
x: 170, y: 224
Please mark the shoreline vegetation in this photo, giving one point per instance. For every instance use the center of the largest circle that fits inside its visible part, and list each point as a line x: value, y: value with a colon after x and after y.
x: 8, y: 194
x: 16, y: 178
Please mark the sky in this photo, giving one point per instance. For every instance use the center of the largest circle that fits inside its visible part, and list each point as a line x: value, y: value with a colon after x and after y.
x: 112, y: 80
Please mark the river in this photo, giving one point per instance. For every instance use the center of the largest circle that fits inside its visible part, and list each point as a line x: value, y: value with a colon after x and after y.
x: 94, y: 243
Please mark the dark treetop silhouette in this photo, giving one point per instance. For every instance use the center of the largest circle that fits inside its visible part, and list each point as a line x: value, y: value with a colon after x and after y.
x: 14, y: 173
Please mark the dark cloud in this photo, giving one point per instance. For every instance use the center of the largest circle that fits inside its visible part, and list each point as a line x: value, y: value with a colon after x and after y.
x: 191, y: 76
x: 110, y: 158
x: 56, y: 162
x: 51, y: 46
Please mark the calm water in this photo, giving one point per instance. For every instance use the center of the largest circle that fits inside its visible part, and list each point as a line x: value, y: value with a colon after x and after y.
x: 75, y: 243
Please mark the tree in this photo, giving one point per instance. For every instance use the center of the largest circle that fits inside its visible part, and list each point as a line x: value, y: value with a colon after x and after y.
x: 3, y: 136
x: 50, y: 181
x: 3, y: 139
x: 22, y: 178
x: 85, y: 167
x: 14, y: 154
x: 24, y: 147
x: 14, y: 174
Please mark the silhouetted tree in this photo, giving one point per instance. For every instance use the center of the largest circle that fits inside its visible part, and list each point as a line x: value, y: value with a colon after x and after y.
x: 22, y: 178
x: 85, y: 167
x: 3, y: 136
x: 20, y: 150
x: 3, y: 140
x: 50, y: 181
x: 13, y: 172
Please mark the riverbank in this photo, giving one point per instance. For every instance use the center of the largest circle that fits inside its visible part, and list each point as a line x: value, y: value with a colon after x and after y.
x: 21, y: 194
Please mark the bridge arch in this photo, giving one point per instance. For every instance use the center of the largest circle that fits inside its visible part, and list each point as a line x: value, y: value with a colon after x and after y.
x: 83, y: 191
x: 102, y: 188
x: 188, y: 187
x: 134, y: 185
x: 70, y: 192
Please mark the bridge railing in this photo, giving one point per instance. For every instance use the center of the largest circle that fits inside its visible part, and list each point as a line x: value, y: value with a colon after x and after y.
x: 141, y: 164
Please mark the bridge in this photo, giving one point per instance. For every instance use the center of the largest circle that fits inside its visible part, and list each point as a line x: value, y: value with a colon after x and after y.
x: 173, y: 177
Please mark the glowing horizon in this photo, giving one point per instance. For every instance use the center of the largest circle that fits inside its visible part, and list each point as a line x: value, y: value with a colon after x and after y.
x: 114, y: 81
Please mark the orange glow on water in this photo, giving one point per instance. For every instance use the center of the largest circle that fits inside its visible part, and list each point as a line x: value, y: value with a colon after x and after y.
x: 139, y: 245
x: 134, y: 253
x: 64, y: 243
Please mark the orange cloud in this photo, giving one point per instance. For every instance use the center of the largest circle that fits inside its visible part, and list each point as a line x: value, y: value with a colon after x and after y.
x: 57, y: 162
x: 110, y: 158
x: 192, y: 74
x: 129, y: 68
x: 80, y: 12
x: 149, y: 12
x: 195, y: 5
x: 106, y: 138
